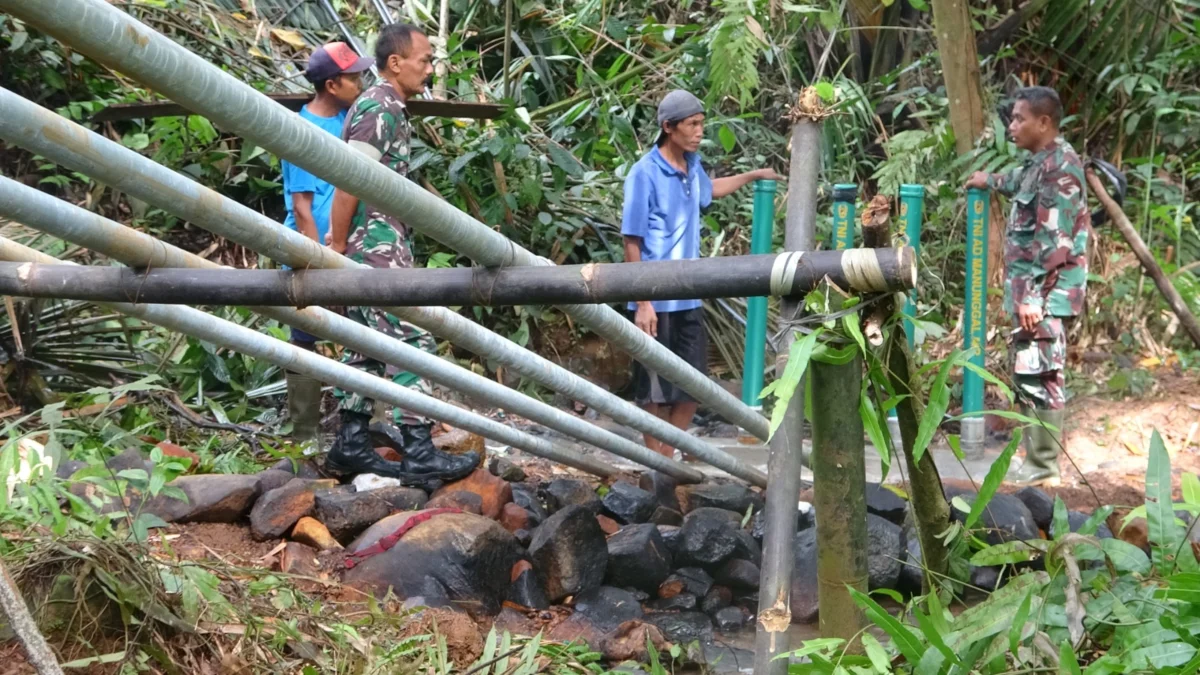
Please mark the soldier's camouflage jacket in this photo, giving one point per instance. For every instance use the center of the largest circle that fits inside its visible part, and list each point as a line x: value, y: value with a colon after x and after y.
x: 377, y: 125
x: 1045, y: 247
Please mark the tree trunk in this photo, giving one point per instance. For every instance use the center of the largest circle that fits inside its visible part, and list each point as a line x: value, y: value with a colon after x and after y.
x: 960, y: 69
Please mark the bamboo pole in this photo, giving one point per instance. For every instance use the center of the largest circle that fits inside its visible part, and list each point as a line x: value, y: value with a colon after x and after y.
x: 246, y: 341
x: 736, y: 276
x: 786, y: 446
x: 1146, y: 258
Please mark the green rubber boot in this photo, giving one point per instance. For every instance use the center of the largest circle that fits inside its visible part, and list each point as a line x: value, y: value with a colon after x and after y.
x: 304, y: 409
x: 1041, y: 450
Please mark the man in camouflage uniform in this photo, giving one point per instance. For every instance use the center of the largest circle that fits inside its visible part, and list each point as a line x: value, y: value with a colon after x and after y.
x: 1045, y: 261
x: 377, y: 125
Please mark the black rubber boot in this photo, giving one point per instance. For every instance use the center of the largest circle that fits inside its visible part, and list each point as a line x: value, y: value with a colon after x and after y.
x: 353, y: 452
x: 421, y: 456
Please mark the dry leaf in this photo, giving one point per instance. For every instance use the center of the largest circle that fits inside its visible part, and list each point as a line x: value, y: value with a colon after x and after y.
x: 756, y: 29
x: 253, y: 51
x: 289, y: 36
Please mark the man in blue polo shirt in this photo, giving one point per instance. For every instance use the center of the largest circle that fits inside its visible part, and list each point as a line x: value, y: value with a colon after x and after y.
x: 335, y: 72
x: 664, y: 194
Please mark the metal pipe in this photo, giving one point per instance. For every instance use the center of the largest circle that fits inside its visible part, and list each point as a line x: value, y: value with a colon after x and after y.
x: 43, y: 212
x: 59, y: 140
x: 243, y: 340
x: 787, y: 445
x: 912, y: 206
x: 844, y: 197
x: 975, y: 320
x: 613, y: 282
x: 763, y: 223
x: 116, y: 39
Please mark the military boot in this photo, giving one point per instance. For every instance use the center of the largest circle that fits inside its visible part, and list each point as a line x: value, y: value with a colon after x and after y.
x: 304, y: 409
x: 1041, y: 449
x: 420, y: 456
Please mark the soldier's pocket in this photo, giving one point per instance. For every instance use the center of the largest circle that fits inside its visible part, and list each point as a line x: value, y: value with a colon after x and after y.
x: 1024, y: 212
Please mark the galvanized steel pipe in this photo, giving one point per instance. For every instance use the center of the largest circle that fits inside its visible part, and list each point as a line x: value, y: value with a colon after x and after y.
x: 64, y: 142
x: 246, y: 341
x: 71, y: 223
x: 116, y: 39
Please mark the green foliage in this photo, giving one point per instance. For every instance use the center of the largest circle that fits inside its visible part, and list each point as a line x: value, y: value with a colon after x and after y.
x: 734, y: 52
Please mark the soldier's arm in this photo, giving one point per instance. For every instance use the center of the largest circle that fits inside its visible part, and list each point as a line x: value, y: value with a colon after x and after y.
x: 1005, y: 183
x: 363, y: 132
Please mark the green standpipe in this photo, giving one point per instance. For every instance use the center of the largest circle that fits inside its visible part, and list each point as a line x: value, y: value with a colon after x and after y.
x: 975, y: 319
x: 756, y: 308
x: 912, y: 204
x: 844, y: 197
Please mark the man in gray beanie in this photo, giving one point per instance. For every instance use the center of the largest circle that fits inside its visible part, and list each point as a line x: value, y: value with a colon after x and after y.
x: 664, y: 194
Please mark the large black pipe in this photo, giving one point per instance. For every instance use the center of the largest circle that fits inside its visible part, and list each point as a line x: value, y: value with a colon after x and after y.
x: 856, y: 270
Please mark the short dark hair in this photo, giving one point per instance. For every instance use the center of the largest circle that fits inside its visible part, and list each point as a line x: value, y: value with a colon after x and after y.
x: 662, y: 133
x: 395, y: 38
x: 1043, y: 101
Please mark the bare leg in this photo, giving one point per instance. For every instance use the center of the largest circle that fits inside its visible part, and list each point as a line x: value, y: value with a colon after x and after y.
x: 681, y: 416
x: 662, y: 412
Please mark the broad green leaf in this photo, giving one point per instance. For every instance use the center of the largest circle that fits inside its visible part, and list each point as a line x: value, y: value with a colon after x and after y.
x: 875, y: 652
x: 727, y: 137
x: 1165, y: 534
x: 995, y: 476
x: 1060, y: 523
x: 1190, y: 486
x: 564, y: 160
x: 1018, y: 627
x: 1067, y: 663
x: 1098, y: 517
x: 825, y: 90
x: 932, y: 634
x: 793, y: 374
x: 905, y: 640
x: 939, y: 401
x: 1162, y: 655
x: 113, y: 657
x: 1126, y: 557
x: 814, y: 646
x: 988, y: 377
x: 1184, y: 587
x: 876, y: 430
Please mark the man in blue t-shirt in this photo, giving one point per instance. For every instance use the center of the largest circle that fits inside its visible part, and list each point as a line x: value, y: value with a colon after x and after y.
x: 664, y: 194
x: 335, y: 71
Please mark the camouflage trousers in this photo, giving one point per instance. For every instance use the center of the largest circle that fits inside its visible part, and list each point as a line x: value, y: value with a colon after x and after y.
x: 391, y: 326
x: 379, y: 244
x: 1039, y: 361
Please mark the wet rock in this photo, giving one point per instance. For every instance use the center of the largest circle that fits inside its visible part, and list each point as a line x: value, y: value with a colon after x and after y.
x: 494, y: 491
x: 459, y: 441
x: 275, y: 512
x: 886, y: 504
x: 525, y: 496
x: 628, y: 642
x: 728, y: 496
x: 213, y: 498
x: 608, y: 607
x: 130, y: 459
x: 1040, y: 505
x: 506, y: 470
x: 642, y: 596
x: 462, y: 500
x: 912, y: 575
x: 68, y: 467
x: 628, y: 504
x: 569, y: 552
x: 670, y: 537
x: 664, y: 516
x: 523, y: 537
x: 747, y: 600
x: 747, y: 548
x: 311, y: 532
x: 662, y: 487
x: 461, y: 557
x: 515, y: 622
x: 708, y: 537
x: 301, y: 468
x: 683, y: 602
x: 717, y: 598
x: 804, y: 577
x: 683, y: 627
x: 638, y: 558
x: 804, y: 520
x: 729, y: 619
x: 347, y: 513
x: 608, y: 526
x: 513, y: 518
x: 273, y: 478
x: 563, y: 492
x: 686, y: 580
x: 1006, y: 518
x: 527, y: 592
x: 740, y: 574
x: 986, y: 578
x: 1076, y: 519
x: 885, y: 550
x: 724, y: 659
x: 296, y: 558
